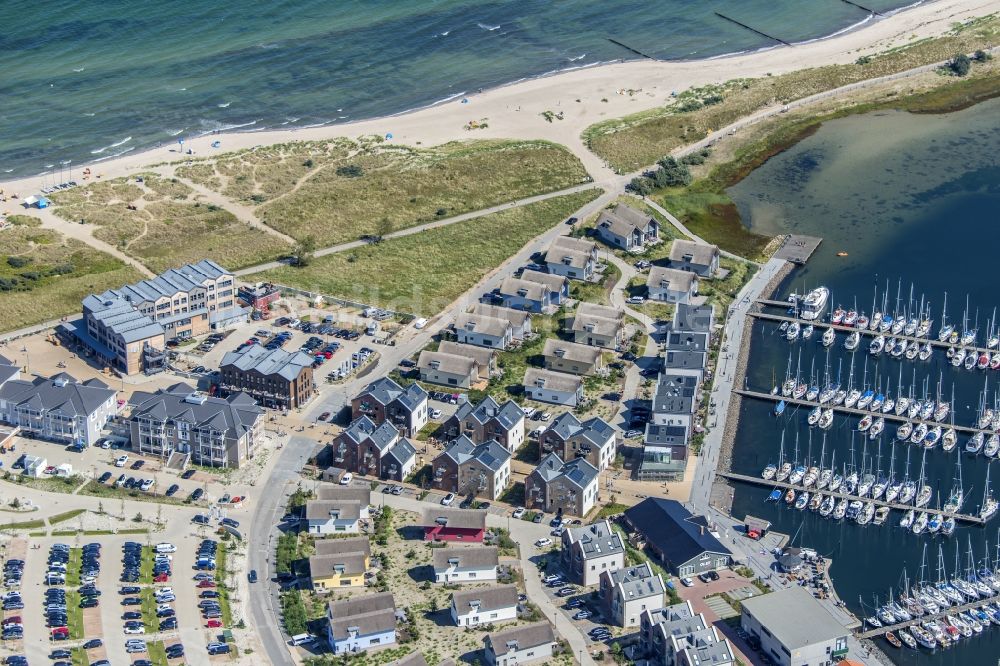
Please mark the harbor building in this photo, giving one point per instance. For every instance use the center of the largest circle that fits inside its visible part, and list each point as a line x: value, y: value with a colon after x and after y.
x: 794, y: 629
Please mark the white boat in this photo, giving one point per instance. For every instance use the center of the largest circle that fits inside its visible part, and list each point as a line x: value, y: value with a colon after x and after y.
x: 802, y: 501
x: 927, y: 410
x: 919, y: 432
x: 923, y: 637
x: 839, y: 396
x: 853, y: 341
x: 864, y: 424
x: 888, y: 405
x: 815, y: 501
x: 989, y: 508
x: 807, y: 332
x: 948, y: 526
x: 814, y: 415
x: 824, y: 478
x: 810, y: 477
x: 881, y: 514
x: 851, y: 483
x: 923, y: 496
x: 769, y: 472
x: 826, y: 508
x: 949, y: 439
x: 892, y: 492
x: 898, y: 324
x: 878, y: 425
x: 932, y: 437
x: 813, y: 305
x: 925, y: 352
x: 958, y: 358
x: 877, y: 345
x: 907, y: 492
x: 866, y: 514
x: 800, y: 390
x: 923, y: 328
x: 865, y: 485
x: 975, y: 443
x: 829, y: 337
x: 904, y: 430
x: 995, y: 361
x: 866, y: 399
x: 826, y: 419
x: 941, y: 411
x: 836, y: 481
x: 902, y: 405
x: 812, y: 393
x: 841, y: 509
x: 992, y: 447
x: 945, y: 332
x: 793, y: 331
x: 986, y: 418
x: 970, y: 360
x: 879, y: 488
x: 796, y: 476
x: 919, y: 523
x: 852, y: 398
x: 784, y: 471
x: 876, y: 321
x: 907, y: 520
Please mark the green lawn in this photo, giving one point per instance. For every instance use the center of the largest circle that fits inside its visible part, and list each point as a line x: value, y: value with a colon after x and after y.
x: 74, y: 614
x: 222, y: 587
x: 45, y: 274
x: 146, y: 568
x: 402, y: 186
x: 148, y: 608
x: 423, y: 273
x: 79, y: 657
x: 596, y: 292
x: 73, y: 567
x: 157, y: 653
x: 96, y: 489
x: 66, y: 515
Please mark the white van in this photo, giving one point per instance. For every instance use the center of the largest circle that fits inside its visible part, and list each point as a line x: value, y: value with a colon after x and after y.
x: 420, y: 323
x: 121, y: 461
x: 346, y: 479
x: 302, y: 639
x: 166, y: 548
x: 373, y: 328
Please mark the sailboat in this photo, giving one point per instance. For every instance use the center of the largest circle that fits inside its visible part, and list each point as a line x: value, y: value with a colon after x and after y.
x: 841, y: 509
x: 829, y: 337
x: 825, y: 474
x: 923, y: 490
x: 989, y: 506
x: 853, y: 341
x: 881, y: 482
x: 909, y: 489
x: 826, y: 508
x: 894, y: 487
x: 946, y: 329
x: 792, y: 332
x: 957, y: 495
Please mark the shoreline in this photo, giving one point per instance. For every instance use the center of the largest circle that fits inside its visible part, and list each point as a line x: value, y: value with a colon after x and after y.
x: 650, y: 84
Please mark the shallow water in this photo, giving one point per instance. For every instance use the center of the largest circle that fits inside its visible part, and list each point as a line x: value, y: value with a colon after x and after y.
x: 81, y: 77
x: 910, y: 198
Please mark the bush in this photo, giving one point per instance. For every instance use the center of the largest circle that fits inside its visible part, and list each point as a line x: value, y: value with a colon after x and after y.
x: 293, y: 612
x: 350, y: 171
x: 960, y: 64
x: 18, y: 262
x: 982, y: 56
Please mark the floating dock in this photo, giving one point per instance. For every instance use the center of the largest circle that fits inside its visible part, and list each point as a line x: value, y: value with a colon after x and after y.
x: 951, y: 610
x: 797, y: 249
x: 962, y: 517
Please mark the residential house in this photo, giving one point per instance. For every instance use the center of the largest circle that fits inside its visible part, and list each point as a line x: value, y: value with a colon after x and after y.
x: 594, y: 439
x: 465, y: 564
x: 573, y: 258
x: 484, y: 605
x: 627, y: 592
x: 556, y: 388
x: 676, y: 393
x: 331, y: 491
x: 564, y: 488
x: 794, y: 628
x: 558, y: 285
x: 664, y: 451
x: 526, y: 295
x: 520, y: 320
x: 361, y: 622
x: 447, y: 524
x: 385, y: 400
x: 58, y: 408
x: 589, y: 550
x: 273, y: 377
x: 339, y: 563
x: 470, y: 469
x: 412, y: 659
x: 127, y: 328
x: 376, y: 450
x: 698, y: 258
x: 211, y: 431
x: 520, y: 645
x: 492, y: 332
x: 334, y: 516
x: 686, y: 351
x: 626, y: 228
x: 447, y: 369
x: 486, y: 421
x: 677, y: 636
x: 683, y: 542
x: 562, y: 356
x: 670, y: 285
x: 484, y: 357
x: 693, y: 319
x: 598, y: 326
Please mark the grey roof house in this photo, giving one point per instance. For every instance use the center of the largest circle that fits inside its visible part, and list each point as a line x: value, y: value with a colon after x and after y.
x: 465, y: 564
x: 698, y: 258
x: 361, y: 622
x: 576, y: 359
x: 569, y: 488
x: 626, y: 228
x: 520, y: 645
x: 484, y: 605
x: 556, y: 388
x: 683, y: 542
x: 571, y: 257
x: 487, y: 420
x: 794, y: 628
x: 520, y: 320
x: 445, y: 369
x: 378, y: 450
x: 473, y: 329
x: 273, y: 377
x: 558, y: 284
x: 472, y: 469
x: 385, y: 400
x: 594, y: 439
x: 627, y: 592
x: 664, y: 451
x: 589, y: 550
x: 486, y: 358
x: 669, y: 285
x: 524, y: 294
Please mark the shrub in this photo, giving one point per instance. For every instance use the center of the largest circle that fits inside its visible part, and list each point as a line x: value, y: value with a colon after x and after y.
x: 18, y: 262
x: 350, y: 171
x: 960, y: 64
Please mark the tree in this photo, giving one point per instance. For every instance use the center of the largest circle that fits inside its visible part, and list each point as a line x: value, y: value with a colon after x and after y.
x: 960, y: 64
x: 303, y: 251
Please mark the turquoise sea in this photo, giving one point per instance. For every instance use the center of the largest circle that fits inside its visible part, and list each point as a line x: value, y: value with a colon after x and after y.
x: 90, y: 80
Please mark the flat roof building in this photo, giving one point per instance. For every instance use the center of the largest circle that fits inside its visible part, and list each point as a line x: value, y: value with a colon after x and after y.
x: 794, y: 628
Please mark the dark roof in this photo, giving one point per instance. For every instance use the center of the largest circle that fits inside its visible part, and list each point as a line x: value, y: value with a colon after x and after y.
x: 520, y: 638
x: 385, y: 390
x: 675, y: 392
x: 665, y: 435
x: 484, y: 599
x: 697, y: 318
x: 61, y: 393
x: 233, y: 415
x: 578, y: 471
x: 285, y: 364
x: 508, y: 415
x: 673, y: 530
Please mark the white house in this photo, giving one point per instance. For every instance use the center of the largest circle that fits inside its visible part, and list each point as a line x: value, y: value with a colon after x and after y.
x: 669, y: 285
x: 626, y: 228
x: 698, y: 258
x: 447, y: 369
x: 484, y: 605
x: 571, y: 257
x: 557, y: 388
x: 483, y: 331
x: 333, y: 516
x: 362, y: 622
x: 524, y: 294
x: 627, y: 592
x: 520, y: 320
x: 520, y: 645
x: 472, y: 564
x: 558, y: 284
x: 590, y: 550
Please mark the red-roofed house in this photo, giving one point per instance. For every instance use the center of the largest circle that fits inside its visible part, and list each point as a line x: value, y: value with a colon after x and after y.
x: 444, y: 524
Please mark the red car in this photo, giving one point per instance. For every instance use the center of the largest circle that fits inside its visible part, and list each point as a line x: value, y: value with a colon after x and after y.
x: 162, y: 578
x: 12, y: 620
x: 60, y: 634
x: 206, y: 583
x: 213, y: 624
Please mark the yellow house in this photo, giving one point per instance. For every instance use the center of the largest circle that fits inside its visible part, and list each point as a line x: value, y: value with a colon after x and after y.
x: 340, y: 563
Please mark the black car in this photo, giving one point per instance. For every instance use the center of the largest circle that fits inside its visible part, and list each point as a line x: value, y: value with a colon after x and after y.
x: 172, y: 489
x: 132, y: 615
x: 196, y: 494
x: 252, y: 576
x: 131, y: 601
x: 168, y: 624
x: 104, y: 477
x: 187, y: 474
x: 93, y: 643
x: 89, y: 602
x: 60, y: 654
x: 138, y: 464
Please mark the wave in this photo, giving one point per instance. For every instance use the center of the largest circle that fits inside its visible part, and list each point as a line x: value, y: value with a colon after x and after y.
x: 488, y: 28
x: 90, y: 115
x: 893, y: 12
x: 181, y: 89
x: 79, y: 69
x: 113, y: 145
x: 853, y: 26
x: 7, y: 170
x: 226, y: 128
x: 579, y: 57
x: 175, y: 132
x: 445, y: 33
x: 320, y: 124
x: 114, y: 155
x: 49, y: 166
x: 224, y: 106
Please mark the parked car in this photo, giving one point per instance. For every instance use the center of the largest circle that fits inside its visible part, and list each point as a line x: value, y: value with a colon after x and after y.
x: 544, y: 542
x: 448, y: 499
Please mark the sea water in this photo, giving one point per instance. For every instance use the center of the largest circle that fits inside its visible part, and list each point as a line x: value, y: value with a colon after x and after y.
x: 911, y: 199
x: 85, y: 81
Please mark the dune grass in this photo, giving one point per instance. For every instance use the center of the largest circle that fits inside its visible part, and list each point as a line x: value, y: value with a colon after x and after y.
x: 423, y: 273
x: 166, y: 211
x: 636, y: 141
x: 44, y: 275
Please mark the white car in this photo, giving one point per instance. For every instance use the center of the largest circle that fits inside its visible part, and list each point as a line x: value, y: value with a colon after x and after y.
x: 448, y: 499
x: 140, y: 629
x: 346, y: 479
x: 544, y: 542
x: 528, y: 411
x: 435, y: 413
x: 166, y: 548
x: 420, y: 323
x: 518, y: 512
x: 105, y: 444
x: 636, y: 300
x: 294, y: 323
x: 146, y: 485
x: 121, y: 461
x: 165, y: 598
x: 687, y: 582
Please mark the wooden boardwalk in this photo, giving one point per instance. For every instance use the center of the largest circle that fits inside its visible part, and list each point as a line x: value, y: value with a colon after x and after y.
x: 963, y: 517
x: 891, y: 416
x: 951, y: 610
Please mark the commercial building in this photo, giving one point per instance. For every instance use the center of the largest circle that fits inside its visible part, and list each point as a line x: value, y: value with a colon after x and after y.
x: 628, y: 592
x: 275, y: 378
x: 385, y: 400
x: 58, y: 408
x: 554, y: 388
x: 127, y: 328
x: 446, y: 524
x: 794, y: 628
x: 563, y: 488
x: 339, y: 563
x: 259, y: 296
x: 210, y: 431
x: 520, y: 645
x: 573, y: 258
x: 589, y: 550
x: 376, y: 450
x: 484, y: 605
x: 465, y: 564
x: 359, y: 623
x: 698, y: 258
x: 594, y: 439
x: 683, y: 542
x: 487, y: 420
x: 473, y: 470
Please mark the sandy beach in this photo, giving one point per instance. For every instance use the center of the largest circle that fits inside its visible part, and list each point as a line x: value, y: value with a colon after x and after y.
x: 584, y: 96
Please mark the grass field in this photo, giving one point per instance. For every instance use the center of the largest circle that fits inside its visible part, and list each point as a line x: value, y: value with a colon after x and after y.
x: 73, y: 567
x: 79, y: 657
x: 64, y: 516
x: 636, y: 141
x: 395, y: 187
x: 425, y: 272
x: 165, y: 212
x: 221, y: 573
x: 74, y: 614
x: 97, y: 489
x: 44, y: 275
x: 146, y: 570
x: 157, y: 653
x: 148, y: 607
